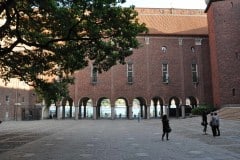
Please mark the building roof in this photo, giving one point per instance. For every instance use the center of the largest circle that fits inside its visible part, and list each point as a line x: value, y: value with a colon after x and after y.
x: 174, y: 21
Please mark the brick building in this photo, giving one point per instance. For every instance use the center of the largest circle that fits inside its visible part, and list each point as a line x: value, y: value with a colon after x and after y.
x: 188, y: 58
x: 224, y: 39
x: 170, y: 70
x: 17, y: 101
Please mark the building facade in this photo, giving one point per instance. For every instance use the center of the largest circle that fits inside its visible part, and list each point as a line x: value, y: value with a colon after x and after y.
x: 188, y: 58
x: 224, y: 21
x: 17, y: 101
x: 169, y: 73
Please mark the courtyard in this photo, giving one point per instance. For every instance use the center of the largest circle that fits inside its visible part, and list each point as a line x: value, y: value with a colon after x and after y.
x: 120, y: 139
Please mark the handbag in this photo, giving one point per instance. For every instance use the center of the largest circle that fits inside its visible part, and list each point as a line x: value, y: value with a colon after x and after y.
x: 169, y: 129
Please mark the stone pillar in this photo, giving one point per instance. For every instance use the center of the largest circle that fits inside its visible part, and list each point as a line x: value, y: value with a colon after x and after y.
x: 45, y: 113
x: 70, y: 112
x: 112, y: 113
x: 183, y: 111
x: 59, y: 115
x: 63, y: 112
x: 161, y: 108
x: 43, y: 105
x: 130, y: 112
x: 166, y: 110
x: 148, y: 112
x: 94, y: 112
x: 76, y: 112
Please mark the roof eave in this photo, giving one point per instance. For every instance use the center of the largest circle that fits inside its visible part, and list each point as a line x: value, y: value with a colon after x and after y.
x: 175, y: 35
x: 209, y: 4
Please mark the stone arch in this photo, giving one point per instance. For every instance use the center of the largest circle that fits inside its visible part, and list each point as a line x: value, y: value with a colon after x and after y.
x: 67, y: 107
x: 156, y: 107
x: 52, y: 111
x: 85, y: 108
x: 121, y: 109
x: 193, y: 101
x: 174, y: 107
x: 143, y: 107
x: 103, y: 108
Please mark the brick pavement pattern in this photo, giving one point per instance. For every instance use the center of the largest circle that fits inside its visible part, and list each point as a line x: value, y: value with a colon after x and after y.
x: 117, y: 140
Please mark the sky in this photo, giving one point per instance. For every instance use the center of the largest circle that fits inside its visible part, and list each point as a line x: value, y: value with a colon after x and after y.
x: 183, y: 4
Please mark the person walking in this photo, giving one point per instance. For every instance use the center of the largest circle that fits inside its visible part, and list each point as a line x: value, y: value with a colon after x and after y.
x: 204, y: 122
x: 213, y: 124
x: 217, y: 123
x: 166, y: 127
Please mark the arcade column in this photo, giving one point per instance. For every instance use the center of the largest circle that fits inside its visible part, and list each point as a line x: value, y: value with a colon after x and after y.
x: 148, y: 112
x: 94, y: 112
x: 112, y: 113
x: 183, y: 111
x: 130, y: 112
x: 76, y: 112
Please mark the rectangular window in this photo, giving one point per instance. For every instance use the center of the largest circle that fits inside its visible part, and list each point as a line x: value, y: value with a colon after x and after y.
x: 94, y: 74
x: 130, y: 72
x: 23, y: 99
x: 7, y: 99
x: 165, y: 75
x: 194, y: 73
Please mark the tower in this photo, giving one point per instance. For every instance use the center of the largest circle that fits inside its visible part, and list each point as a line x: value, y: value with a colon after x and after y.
x: 224, y: 39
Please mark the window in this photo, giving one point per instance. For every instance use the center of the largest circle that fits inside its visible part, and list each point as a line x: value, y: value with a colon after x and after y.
x: 165, y: 75
x: 94, y: 75
x: 164, y: 49
x: 193, y: 49
x: 194, y: 73
x: 233, y: 92
x: 147, y: 40
x: 237, y: 55
x: 23, y: 99
x: 7, y: 99
x: 198, y: 41
x: 130, y: 72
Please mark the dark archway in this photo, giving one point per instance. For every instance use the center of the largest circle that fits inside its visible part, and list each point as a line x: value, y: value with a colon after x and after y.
x: 121, y: 108
x: 193, y: 102
x: 84, y: 111
x: 103, y: 108
x: 143, y: 107
x: 174, y: 107
x: 157, y: 108
x: 67, y: 107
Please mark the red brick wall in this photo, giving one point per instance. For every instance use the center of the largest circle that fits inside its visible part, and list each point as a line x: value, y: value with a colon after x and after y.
x: 224, y: 31
x: 147, y: 81
x: 22, y: 96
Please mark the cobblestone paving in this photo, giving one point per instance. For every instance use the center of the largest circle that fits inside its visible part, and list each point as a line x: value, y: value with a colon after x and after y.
x: 117, y: 140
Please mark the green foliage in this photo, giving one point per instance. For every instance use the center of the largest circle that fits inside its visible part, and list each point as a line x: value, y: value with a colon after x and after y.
x: 47, y: 38
x: 201, y: 108
x: 53, y: 91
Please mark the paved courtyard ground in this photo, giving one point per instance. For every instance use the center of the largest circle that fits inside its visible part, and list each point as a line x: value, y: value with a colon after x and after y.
x: 117, y: 140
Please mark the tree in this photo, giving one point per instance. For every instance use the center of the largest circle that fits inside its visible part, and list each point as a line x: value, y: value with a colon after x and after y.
x: 53, y: 38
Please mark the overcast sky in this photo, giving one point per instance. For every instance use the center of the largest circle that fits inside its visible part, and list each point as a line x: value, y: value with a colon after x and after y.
x: 184, y: 4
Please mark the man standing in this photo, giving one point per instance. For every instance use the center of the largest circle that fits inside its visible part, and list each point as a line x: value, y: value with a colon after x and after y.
x: 217, y: 123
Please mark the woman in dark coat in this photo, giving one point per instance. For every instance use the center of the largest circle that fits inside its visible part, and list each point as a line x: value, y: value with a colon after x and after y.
x: 166, y: 127
x: 204, y: 122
